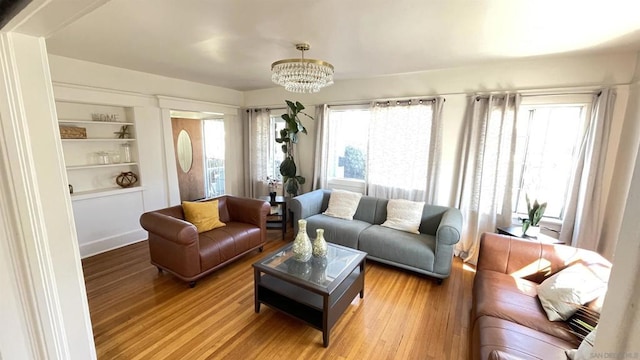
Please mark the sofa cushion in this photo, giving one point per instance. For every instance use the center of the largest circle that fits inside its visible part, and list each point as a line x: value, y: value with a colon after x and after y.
x: 222, y: 244
x: 416, y: 250
x: 493, y: 334
x: 514, y: 299
x: 343, y: 204
x: 404, y: 215
x: 337, y: 231
x: 562, y: 294
x: 203, y: 214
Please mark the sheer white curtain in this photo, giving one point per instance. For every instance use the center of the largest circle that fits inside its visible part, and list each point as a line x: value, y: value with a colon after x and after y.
x: 583, y: 220
x: 257, y: 150
x: 404, y: 150
x: 486, y: 171
x: 319, y: 179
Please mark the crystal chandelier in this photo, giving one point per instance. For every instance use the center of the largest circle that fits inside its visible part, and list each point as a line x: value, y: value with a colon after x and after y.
x: 302, y: 75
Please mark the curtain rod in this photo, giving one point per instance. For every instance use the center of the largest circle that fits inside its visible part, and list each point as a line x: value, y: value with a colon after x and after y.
x: 499, y: 95
x: 597, y: 92
x: 404, y: 102
x: 265, y: 109
x: 577, y: 90
x: 388, y: 102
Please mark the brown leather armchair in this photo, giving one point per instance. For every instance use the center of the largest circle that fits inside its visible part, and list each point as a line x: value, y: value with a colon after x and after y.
x: 176, y: 246
x: 507, y: 319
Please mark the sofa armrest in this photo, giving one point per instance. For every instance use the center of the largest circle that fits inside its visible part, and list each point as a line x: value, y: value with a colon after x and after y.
x: 509, y: 255
x: 248, y: 211
x: 450, y: 227
x: 501, y: 355
x: 306, y: 205
x: 170, y: 228
x: 534, y: 260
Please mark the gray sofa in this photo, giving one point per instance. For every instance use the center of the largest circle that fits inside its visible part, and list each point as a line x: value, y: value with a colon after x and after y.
x: 429, y: 252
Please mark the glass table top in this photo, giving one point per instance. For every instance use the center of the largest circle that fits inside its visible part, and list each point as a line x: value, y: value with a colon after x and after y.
x: 318, y: 271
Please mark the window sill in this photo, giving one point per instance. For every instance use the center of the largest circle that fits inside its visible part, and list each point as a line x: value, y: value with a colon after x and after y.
x: 550, y: 225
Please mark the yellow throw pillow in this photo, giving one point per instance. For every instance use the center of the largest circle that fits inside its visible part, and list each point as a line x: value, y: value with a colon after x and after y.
x: 203, y: 214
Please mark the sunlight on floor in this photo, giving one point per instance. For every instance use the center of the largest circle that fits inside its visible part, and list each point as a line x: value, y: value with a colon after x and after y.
x: 468, y: 267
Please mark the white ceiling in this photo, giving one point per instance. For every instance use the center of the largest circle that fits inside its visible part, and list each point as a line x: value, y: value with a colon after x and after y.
x: 232, y: 43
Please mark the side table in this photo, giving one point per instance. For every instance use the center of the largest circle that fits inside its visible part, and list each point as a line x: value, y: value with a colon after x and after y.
x: 516, y: 230
x: 279, y: 219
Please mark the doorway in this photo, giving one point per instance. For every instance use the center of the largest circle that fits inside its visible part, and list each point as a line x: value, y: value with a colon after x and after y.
x: 199, y: 143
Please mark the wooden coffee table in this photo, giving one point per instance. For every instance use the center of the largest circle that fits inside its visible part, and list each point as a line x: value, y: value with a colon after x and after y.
x: 317, y: 291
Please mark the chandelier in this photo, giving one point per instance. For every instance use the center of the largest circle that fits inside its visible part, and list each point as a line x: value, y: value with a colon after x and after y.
x: 302, y: 75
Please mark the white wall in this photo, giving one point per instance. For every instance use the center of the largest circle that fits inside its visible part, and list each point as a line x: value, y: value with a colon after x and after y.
x: 79, y: 72
x: 619, y: 329
x: 562, y: 72
x: 43, y: 249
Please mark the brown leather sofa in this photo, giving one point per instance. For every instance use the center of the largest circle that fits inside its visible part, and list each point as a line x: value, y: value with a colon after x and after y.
x: 507, y: 319
x: 176, y: 246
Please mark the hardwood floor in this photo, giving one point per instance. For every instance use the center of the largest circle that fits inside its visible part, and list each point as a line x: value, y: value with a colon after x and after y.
x: 138, y: 313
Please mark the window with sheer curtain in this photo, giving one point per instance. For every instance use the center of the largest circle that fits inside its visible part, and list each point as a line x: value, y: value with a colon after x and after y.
x: 549, y: 142
x: 393, y: 148
x: 347, y: 144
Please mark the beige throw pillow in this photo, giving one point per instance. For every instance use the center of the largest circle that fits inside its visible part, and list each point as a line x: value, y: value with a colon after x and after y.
x: 562, y: 294
x: 404, y: 215
x: 343, y: 204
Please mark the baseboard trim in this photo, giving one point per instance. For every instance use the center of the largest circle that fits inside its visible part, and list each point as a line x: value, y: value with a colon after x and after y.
x: 110, y: 243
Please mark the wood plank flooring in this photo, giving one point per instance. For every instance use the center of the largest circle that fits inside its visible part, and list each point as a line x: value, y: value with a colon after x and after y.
x: 138, y: 313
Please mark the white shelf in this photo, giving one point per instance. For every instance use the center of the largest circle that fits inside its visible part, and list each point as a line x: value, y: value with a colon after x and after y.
x: 71, y: 121
x: 95, y: 166
x: 98, y: 140
x: 83, y: 195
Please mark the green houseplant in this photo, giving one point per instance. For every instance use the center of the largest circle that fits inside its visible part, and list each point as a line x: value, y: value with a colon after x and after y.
x: 289, y: 136
x: 535, y: 213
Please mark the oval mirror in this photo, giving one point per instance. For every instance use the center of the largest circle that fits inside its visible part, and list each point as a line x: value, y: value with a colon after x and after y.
x: 185, y: 151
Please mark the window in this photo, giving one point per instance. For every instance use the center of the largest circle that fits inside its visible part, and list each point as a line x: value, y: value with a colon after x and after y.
x: 275, y: 155
x: 214, y: 157
x: 385, y: 150
x: 347, y: 143
x: 549, y: 139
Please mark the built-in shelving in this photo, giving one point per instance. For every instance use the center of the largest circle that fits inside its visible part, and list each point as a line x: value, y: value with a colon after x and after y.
x: 88, y: 171
x: 93, y: 122
x: 85, y: 167
x: 91, y: 194
x: 98, y: 140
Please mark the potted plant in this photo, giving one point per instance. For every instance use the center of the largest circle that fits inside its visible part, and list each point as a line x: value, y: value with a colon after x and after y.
x: 289, y: 136
x: 535, y: 213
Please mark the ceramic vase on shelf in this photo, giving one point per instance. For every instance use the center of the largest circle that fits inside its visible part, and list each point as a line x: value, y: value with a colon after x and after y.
x: 126, y: 152
x: 302, y: 244
x: 319, y: 244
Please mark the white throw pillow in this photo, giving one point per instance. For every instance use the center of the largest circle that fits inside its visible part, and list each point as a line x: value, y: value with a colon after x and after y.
x: 404, y: 215
x: 584, y: 350
x: 562, y: 294
x: 343, y: 204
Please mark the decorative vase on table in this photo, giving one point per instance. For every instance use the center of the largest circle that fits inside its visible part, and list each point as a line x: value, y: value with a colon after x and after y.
x: 319, y: 245
x: 302, y: 244
x: 272, y: 196
x: 319, y: 270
